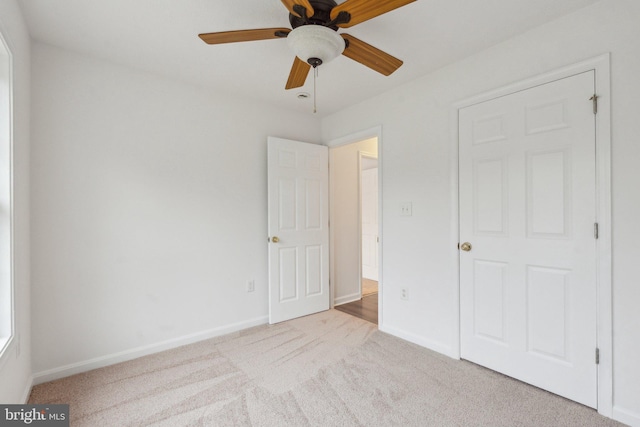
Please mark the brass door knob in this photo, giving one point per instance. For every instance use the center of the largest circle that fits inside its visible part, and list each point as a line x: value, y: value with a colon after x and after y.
x: 275, y: 239
x: 466, y: 246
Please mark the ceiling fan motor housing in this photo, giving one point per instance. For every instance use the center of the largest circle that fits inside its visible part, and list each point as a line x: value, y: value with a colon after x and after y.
x: 322, y: 15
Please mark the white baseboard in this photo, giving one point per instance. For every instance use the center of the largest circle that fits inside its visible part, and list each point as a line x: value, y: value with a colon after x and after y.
x: 347, y: 299
x: 416, y: 339
x: 27, y: 390
x: 123, y: 356
x: 625, y: 416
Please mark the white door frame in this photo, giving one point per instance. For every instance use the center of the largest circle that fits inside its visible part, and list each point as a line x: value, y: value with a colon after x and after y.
x: 601, y: 66
x: 375, y: 132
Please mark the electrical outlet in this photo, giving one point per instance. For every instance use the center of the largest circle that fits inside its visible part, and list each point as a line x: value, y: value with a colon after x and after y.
x: 404, y: 294
x: 251, y: 285
x: 406, y: 209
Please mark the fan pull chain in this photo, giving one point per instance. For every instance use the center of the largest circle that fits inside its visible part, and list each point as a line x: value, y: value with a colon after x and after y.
x: 315, y: 76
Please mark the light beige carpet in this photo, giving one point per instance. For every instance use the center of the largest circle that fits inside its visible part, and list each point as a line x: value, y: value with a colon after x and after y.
x: 329, y: 369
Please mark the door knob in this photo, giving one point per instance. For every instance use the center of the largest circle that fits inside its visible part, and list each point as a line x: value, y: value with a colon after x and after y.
x: 275, y: 239
x: 466, y: 246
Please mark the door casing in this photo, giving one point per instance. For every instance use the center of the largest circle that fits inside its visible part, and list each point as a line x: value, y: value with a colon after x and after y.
x: 601, y: 66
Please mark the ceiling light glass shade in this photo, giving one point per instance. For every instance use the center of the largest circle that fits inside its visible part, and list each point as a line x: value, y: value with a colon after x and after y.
x: 315, y: 41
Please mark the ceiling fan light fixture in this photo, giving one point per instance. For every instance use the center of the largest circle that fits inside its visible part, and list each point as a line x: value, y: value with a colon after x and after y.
x: 315, y: 44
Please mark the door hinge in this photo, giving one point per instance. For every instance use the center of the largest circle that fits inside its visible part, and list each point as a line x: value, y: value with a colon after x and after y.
x: 594, y: 98
x: 597, y: 356
x: 596, y: 230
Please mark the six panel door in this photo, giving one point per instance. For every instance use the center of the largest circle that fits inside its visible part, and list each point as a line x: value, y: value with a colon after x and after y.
x: 298, y: 221
x: 527, y: 207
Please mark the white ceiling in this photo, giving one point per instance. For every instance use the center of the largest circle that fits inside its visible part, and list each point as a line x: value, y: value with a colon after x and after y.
x: 161, y: 36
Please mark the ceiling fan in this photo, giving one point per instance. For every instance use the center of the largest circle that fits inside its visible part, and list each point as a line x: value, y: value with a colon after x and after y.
x: 314, y: 37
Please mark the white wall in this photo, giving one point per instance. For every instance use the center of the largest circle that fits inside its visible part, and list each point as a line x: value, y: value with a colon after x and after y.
x: 416, y: 121
x: 148, y: 212
x: 345, y: 218
x: 15, y: 365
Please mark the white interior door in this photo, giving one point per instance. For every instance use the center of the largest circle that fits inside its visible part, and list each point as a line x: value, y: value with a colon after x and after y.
x: 298, y: 222
x: 369, y: 207
x: 527, y: 207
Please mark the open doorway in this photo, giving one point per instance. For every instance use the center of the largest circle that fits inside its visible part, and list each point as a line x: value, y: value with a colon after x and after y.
x: 355, y: 255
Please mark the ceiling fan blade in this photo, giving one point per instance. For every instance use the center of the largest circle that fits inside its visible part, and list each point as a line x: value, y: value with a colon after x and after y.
x: 298, y: 75
x: 363, y: 10
x: 370, y: 56
x: 289, y: 4
x: 244, y: 35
